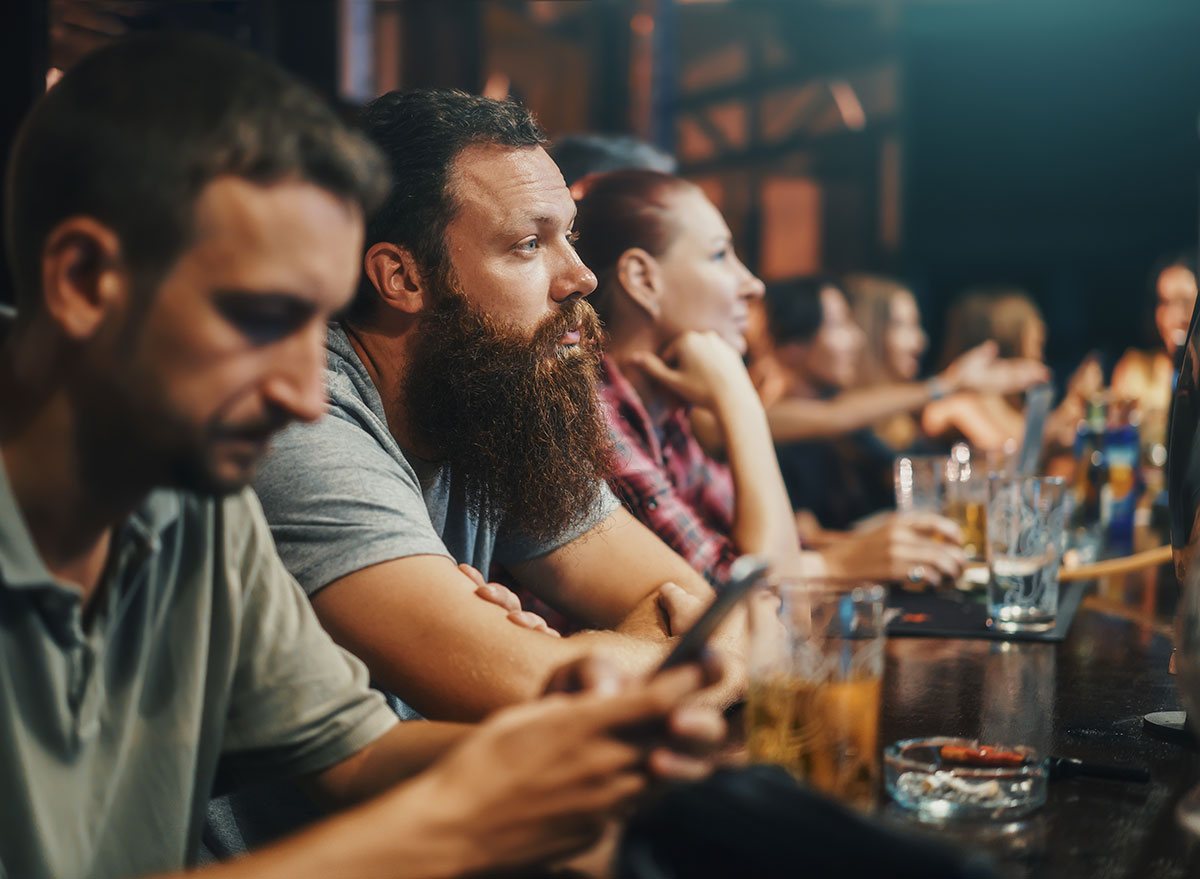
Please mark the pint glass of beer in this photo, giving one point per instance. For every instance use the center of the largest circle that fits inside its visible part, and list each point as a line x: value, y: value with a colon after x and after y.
x: 816, y: 670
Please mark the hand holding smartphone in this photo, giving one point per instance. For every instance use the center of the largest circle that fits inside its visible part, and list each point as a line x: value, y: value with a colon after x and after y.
x: 744, y: 573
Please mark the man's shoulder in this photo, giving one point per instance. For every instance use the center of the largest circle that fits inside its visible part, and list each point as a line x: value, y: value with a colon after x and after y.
x: 350, y: 436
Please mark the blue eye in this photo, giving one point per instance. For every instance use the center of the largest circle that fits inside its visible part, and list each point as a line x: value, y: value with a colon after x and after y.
x: 528, y: 246
x: 722, y: 253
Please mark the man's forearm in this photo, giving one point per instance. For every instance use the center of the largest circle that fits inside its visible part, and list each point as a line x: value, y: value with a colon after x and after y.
x: 629, y: 654
x: 389, y: 836
x: 402, y: 752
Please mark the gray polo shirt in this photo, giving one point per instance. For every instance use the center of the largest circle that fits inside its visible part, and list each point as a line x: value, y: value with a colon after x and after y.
x: 201, y: 648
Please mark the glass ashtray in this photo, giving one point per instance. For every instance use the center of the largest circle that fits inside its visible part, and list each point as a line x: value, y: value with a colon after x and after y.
x: 942, y: 777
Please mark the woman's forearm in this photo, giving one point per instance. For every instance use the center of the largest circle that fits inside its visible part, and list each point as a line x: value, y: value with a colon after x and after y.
x: 796, y: 418
x: 762, y: 512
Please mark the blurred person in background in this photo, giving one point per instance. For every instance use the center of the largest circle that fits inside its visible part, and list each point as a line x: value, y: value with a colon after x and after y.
x: 578, y: 155
x: 675, y: 300
x: 1147, y: 378
x: 872, y: 385
x: 887, y: 313
x: 992, y: 419
x: 821, y: 421
x: 846, y: 476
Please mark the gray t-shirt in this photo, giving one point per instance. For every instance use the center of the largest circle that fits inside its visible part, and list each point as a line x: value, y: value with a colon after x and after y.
x: 201, y: 649
x: 341, y: 495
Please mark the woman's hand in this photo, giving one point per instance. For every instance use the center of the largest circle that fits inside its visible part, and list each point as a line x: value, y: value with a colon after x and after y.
x: 701, y: 369
x: 980, y: 370
x: 908, y: 547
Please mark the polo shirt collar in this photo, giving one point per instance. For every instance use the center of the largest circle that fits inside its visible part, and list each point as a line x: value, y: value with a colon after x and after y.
x: 21, y: 567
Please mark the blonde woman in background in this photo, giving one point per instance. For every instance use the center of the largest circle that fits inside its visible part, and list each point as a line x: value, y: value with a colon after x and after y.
x: 1009, y: 318
x: 805, y: 401
x: 887, y: 313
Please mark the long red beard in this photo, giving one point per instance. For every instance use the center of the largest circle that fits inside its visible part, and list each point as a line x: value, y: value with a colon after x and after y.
x: 516, y: 415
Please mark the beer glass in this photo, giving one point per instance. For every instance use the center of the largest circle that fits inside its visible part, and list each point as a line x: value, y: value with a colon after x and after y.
x: 816, y: 671
x: 919, y: 481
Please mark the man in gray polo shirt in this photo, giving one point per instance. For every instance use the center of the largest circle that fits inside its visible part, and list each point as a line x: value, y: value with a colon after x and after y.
x: 182, y: 220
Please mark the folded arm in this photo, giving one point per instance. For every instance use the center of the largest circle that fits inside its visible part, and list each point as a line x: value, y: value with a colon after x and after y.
x: 427, y: 637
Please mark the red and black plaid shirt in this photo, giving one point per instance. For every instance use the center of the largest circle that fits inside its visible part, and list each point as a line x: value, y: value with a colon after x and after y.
x: 667, y: 480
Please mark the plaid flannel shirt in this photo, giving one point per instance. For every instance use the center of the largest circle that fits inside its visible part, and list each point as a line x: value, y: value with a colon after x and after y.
x: 667, y: 480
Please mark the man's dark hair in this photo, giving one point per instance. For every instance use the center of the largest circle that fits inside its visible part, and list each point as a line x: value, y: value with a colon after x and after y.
x: 133, y: 133
x: 422, y: 132
x: 794, y: 312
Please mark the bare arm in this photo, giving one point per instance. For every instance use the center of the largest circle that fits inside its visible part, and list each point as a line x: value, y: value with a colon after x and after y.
x: 977, y: 370
x: 797, y: 418
x: 609, y: 578
x: 986, y: 423
x: 533, y: 784
x: 404, y: 751
x: 418, y: 625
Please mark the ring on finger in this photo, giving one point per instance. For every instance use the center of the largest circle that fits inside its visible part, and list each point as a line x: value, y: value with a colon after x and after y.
x: 918, y: 573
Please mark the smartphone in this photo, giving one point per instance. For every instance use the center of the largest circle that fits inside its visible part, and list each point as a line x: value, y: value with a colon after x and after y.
x: 743, y: 573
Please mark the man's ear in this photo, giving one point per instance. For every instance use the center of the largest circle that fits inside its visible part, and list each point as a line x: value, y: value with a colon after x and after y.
x: 397, y: 278
x: 641, y: 278
x: 84, y: 279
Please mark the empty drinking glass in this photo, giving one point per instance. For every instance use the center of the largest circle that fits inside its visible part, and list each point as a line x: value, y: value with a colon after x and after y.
x: 1025, y: 520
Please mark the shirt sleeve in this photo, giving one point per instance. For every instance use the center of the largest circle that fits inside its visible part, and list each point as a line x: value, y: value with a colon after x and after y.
x: 338, y: 502
x: 298, y: 703
x: 511, y: 549
x: 645, y: 489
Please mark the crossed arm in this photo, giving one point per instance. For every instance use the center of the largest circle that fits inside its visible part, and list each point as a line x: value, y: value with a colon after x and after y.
x: 426, y: 637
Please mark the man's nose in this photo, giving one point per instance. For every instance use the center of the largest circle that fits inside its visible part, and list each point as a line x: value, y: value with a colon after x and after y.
x: 573, y: 279
x: 297, y: 383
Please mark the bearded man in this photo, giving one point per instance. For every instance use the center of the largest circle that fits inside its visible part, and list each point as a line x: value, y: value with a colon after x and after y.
x: 464, y: 431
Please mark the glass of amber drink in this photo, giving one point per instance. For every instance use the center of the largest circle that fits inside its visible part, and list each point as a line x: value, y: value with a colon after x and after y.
x: 965, y: 499
x: 816, y: 672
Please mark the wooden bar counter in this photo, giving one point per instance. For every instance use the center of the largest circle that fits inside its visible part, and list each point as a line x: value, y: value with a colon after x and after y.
x: 1082, y: 698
